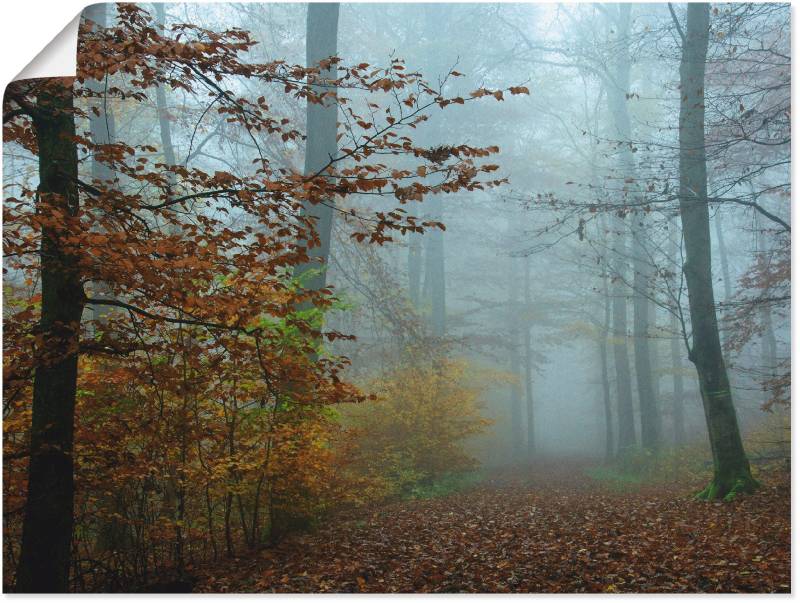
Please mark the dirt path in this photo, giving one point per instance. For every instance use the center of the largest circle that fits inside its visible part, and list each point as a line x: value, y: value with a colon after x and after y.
x: 550, y: 533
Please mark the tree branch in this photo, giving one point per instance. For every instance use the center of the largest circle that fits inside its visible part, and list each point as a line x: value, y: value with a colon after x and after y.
x: 677, y: 24
x: 141, y: 312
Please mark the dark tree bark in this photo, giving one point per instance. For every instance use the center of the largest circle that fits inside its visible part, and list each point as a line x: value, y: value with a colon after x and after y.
x: 47, y: 525
x: 731, y: 467
x: 321, y: 123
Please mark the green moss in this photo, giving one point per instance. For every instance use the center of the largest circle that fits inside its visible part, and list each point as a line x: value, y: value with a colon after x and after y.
x: 717, y: 490
x: 447, y: 484
x: 615, y: 478
x: 709, y: 492
x: 742, y: 486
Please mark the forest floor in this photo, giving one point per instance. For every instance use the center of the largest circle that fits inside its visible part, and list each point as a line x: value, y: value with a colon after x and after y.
x: 556, y: 530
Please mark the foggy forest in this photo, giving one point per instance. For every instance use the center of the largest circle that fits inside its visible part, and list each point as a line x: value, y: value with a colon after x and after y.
x: 402, y: 297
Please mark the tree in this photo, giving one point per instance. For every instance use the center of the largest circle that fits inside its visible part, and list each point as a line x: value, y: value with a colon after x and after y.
x: 414, y: 268
x: 602, y: 343
x: 731, y: 467
x: 515, y: 353
x: 618, y: 90
x: 678, y: 414
x: 528, y: 351
x: 434, y: 283
x: 436, y: 16
x: 321, y: 141
x: 198, y: 264
x: 47, y: 527
x: 626, y: 432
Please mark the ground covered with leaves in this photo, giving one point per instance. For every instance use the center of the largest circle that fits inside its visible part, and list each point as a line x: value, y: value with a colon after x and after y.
x: 555, y: 530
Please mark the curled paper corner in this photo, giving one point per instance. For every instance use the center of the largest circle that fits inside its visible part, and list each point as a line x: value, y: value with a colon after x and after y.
x: 58, y: 58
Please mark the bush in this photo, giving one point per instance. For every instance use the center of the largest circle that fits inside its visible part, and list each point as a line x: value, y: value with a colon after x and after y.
x: 413, y: 436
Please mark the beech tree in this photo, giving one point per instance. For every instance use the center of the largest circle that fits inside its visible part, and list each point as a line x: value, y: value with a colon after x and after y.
x: 321, y: 141
x: 47, y: 527
x: 235, y: 325
x: 731, y: 467
x: 160, y: 240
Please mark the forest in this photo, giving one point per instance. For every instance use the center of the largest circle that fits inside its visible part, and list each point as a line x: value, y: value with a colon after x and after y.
x: 401, y: 297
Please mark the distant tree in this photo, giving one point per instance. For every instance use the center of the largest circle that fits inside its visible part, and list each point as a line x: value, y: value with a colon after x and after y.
x: 617, y: 83
x: 321, y: 125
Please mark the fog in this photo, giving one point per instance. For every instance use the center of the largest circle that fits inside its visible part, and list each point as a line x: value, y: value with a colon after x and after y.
x: 560, y: 154
x: 281, y: 300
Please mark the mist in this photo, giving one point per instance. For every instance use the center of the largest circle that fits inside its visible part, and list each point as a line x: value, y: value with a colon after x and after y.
x: 279, y: 276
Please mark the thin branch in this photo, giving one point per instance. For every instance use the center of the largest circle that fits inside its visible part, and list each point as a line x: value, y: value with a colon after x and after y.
x: 677, y: 24
x: 184, y: 321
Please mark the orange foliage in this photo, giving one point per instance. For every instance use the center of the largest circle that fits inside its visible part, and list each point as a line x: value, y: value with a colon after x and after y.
x: 203, y: 414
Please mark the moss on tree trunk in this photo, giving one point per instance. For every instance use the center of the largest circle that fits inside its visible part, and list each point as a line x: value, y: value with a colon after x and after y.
x: 731, y: 467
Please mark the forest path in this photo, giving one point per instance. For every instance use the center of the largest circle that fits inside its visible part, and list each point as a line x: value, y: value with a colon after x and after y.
x: 554, y: 531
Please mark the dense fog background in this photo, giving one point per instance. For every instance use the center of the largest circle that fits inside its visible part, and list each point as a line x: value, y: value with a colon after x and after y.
x: 538, y: 253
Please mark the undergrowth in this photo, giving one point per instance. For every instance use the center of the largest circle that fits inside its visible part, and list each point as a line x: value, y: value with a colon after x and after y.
x: 448, y: 484
x: 767, y: 447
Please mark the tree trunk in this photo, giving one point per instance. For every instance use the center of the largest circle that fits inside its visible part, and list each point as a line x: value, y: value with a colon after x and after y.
x: 414, y: 267
x: 726, y: 279
x: 321, y: 145
x: 163, y: 112
x: 47, y: 525
x: 769, y: 346
x: 603, y: 345
x: 103, y: 131
x: 515, y: 362
x: 528, y: 360
x: 101, y: 124
x: 619, y: 317
x: 436, y: 18
x: 723, y: 256
x: 617, y: 91
x: 678, y: 416
x: 648, y: 406
x: 731, y: 467
x: 434, y: 269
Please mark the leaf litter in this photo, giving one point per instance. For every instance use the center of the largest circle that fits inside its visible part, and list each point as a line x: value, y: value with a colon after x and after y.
x: 553, y: 531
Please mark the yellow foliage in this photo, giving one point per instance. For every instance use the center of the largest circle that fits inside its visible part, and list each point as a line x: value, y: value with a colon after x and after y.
x: 416, y: 430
